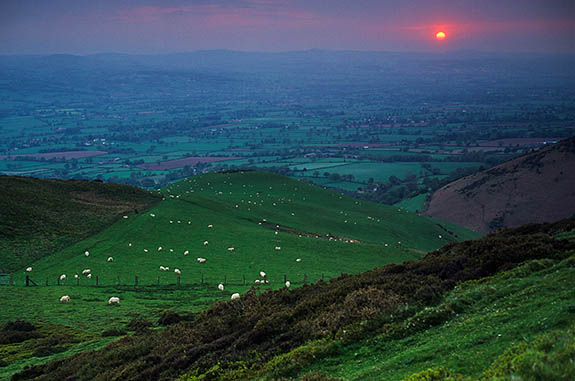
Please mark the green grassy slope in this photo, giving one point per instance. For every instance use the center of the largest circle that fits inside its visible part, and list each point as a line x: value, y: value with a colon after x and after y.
x: 246, y: 211
x: 461, y: 306
x: 330, y: 233
x: 38, y: 217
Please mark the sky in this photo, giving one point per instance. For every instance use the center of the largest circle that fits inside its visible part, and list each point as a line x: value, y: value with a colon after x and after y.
x: 166, y: 26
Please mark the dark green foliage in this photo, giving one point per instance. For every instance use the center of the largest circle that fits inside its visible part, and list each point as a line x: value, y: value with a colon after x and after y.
x: 280, y: 323
x: 113, y: 332
x: 172, y: 317
x: 19, y: 325
x: 139, y: 325
x: 38, y: 217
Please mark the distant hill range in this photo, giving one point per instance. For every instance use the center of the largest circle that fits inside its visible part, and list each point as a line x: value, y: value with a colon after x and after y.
x: 536, y: 187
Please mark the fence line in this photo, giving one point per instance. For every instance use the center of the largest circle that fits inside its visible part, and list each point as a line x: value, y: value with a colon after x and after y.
x: 177, y: 281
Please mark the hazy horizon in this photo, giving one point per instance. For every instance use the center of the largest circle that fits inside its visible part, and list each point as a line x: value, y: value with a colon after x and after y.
x: 176, y: 26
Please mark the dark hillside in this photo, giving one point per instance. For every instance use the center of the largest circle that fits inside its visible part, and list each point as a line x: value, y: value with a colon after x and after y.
x: 537, y: 187
x: 38, y: 217
x: 241, y: 339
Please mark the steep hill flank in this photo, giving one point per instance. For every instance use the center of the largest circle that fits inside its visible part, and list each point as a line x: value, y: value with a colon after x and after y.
x: 38, y: 217
x: 537, y: 187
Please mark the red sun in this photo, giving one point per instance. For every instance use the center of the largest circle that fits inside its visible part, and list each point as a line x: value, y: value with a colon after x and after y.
x: 440, y: 36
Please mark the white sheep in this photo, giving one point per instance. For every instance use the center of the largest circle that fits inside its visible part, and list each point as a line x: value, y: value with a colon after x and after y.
x: 231, y: 249
x: 145, y: 250
x: 162, y: 268
x: 160, y: 248
x: 114, y: 300
x: 152, y: 215
x: 86, y: 271
x: 235, y: 296
x: 210, y: 226
x: 65, y: 299
x: 288, y: 284
x: 125, y: 216
x: 177, y: 271
x: 76, y: 276
x: 298, y: 260
x: 205, y: 243
x: 28, y: 269
x: 278, y: 248
x: 130, y: 244
x: 87, y: 253
x: 262, y: 274
x: 257, y: 281
x: 221, y: 287
x: 89, y: 276
x: 110, y: 259
x: 201, y: 260
x: 63, y: 277
x: 186, y: 252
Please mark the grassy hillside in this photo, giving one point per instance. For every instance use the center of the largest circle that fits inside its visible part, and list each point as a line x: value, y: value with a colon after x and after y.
x: 253, y: 212
x: 475, y: 307
x: 38, y: 217
x: 536, y: 187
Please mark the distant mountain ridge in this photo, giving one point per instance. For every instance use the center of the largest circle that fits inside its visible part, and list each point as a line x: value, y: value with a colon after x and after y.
x: 537, y: 187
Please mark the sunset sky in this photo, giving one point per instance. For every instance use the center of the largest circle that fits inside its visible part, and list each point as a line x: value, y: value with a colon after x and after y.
x: 163, y: 26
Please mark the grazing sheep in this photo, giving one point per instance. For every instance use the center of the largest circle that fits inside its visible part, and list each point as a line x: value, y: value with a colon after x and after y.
x: 171, y: 221
x: 221, y: 287
x: 145, y: 250
x: 162, y: 268
x: 130, y: 244
x: 257, y: 281
x: 288, y: 284
x: 171, y: 250
x: 63, y: 277
x: 210, y: 226
x: 231, y: 249
x: 235, y: 296
x: 186, y: 252
x: 262, y: 274
x: 298, y: 260
x: 87, y: 253
x: 110, y: 259
x: 125, y: 216
x: 177, y: 271
x: 86, y: 271
x: 278, y: 248
x: 440, y: 236
x: 205, y: 243
x: 201, y: 260
x: 114, y: 300
x: 28, y: 269
x: 160, y: 248
x: 76, y: 276
x: 89, y: 276
x: 65, y: 299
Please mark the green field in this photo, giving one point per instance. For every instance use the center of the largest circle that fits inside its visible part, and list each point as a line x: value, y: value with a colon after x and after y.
x: 253, y: 212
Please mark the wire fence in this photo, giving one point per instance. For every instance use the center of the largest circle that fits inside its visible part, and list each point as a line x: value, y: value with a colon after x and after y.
x: 178, y: 281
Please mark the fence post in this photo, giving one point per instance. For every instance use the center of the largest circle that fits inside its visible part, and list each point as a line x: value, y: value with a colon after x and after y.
x: 136, y: 281
x: 46, y: 281
x: 78, y: 281
x: 225, y: 279
x: 178, y: 281
x: 202, y: 278
x: 321, y: 276
x: 118, y: 280
x: 11, y: 279
x: 97, y: 280
x: 244, y: 279
x: 158, y: 280
x: 285, y: 278
x: 27, y: 281
x: 304, y: 278
x: 58, y: 281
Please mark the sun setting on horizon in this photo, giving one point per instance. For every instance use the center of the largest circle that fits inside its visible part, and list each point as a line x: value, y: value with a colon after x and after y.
x: 440, y: 36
